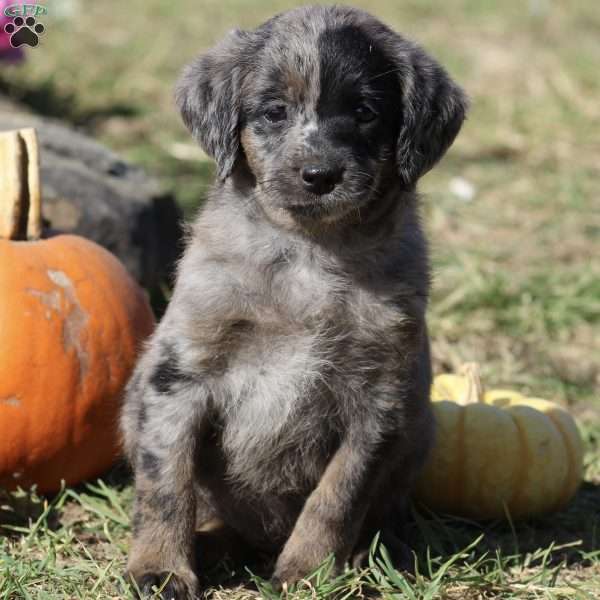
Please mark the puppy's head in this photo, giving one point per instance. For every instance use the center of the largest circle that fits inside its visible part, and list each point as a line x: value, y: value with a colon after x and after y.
x: 325, y: 106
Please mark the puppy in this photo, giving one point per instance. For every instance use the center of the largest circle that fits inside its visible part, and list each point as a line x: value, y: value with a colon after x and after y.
x: 285, y: 391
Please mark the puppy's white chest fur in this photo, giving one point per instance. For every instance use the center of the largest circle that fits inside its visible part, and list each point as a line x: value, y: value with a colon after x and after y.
x: 298, y: 370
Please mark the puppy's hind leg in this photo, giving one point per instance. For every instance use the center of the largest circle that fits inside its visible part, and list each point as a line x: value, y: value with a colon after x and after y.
x: 175, y: 415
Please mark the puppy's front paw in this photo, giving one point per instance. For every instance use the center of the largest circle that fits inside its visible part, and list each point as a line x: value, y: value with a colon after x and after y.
x: 288, y: 574
x: 166, y: 586
x: 292, y: 568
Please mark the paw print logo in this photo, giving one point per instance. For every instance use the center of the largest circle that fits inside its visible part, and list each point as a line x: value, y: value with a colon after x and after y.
x: 24, y: 31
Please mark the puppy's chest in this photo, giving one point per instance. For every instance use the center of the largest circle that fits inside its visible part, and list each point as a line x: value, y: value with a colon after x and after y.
x: 312, y: 325
x: 316, y: 298
x: 297, y: 372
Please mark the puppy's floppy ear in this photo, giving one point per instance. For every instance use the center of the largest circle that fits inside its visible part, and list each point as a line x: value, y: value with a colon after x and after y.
x: 433, y: 111
x: 209, y: 97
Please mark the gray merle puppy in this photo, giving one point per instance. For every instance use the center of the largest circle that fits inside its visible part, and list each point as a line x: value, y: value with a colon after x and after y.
x: 285, y: 391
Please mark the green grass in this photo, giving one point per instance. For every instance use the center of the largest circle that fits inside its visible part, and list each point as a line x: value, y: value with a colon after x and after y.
x: 516, y: 268
x: 74, y: 546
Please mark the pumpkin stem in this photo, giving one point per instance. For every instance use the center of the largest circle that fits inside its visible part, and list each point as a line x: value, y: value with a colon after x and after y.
x: 20, y: 197
x: 474, y: 391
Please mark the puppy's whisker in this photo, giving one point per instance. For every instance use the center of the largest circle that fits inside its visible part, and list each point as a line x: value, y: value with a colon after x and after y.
x: 389, y: 72
x: 268, y: 180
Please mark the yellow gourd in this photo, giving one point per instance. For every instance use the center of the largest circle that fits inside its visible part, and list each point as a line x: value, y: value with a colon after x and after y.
x: 498, y: 452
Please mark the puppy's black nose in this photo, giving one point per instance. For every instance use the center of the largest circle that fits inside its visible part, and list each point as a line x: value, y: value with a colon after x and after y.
x: 321, y: 179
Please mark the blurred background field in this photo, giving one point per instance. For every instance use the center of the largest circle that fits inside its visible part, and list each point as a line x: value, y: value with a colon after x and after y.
x: 513, y: 211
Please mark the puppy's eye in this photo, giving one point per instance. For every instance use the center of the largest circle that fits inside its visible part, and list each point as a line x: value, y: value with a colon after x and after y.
x: 275, y: 114
x: 365, y: 114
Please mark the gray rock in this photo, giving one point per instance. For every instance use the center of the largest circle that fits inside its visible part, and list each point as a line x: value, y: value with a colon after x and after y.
x: 90, y: 191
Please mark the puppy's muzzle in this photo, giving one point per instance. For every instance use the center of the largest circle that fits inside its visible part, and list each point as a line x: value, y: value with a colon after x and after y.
x: 321, y: 178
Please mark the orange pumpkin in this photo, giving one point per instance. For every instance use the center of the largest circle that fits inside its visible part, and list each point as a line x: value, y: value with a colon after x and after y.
x: 71, y: 324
